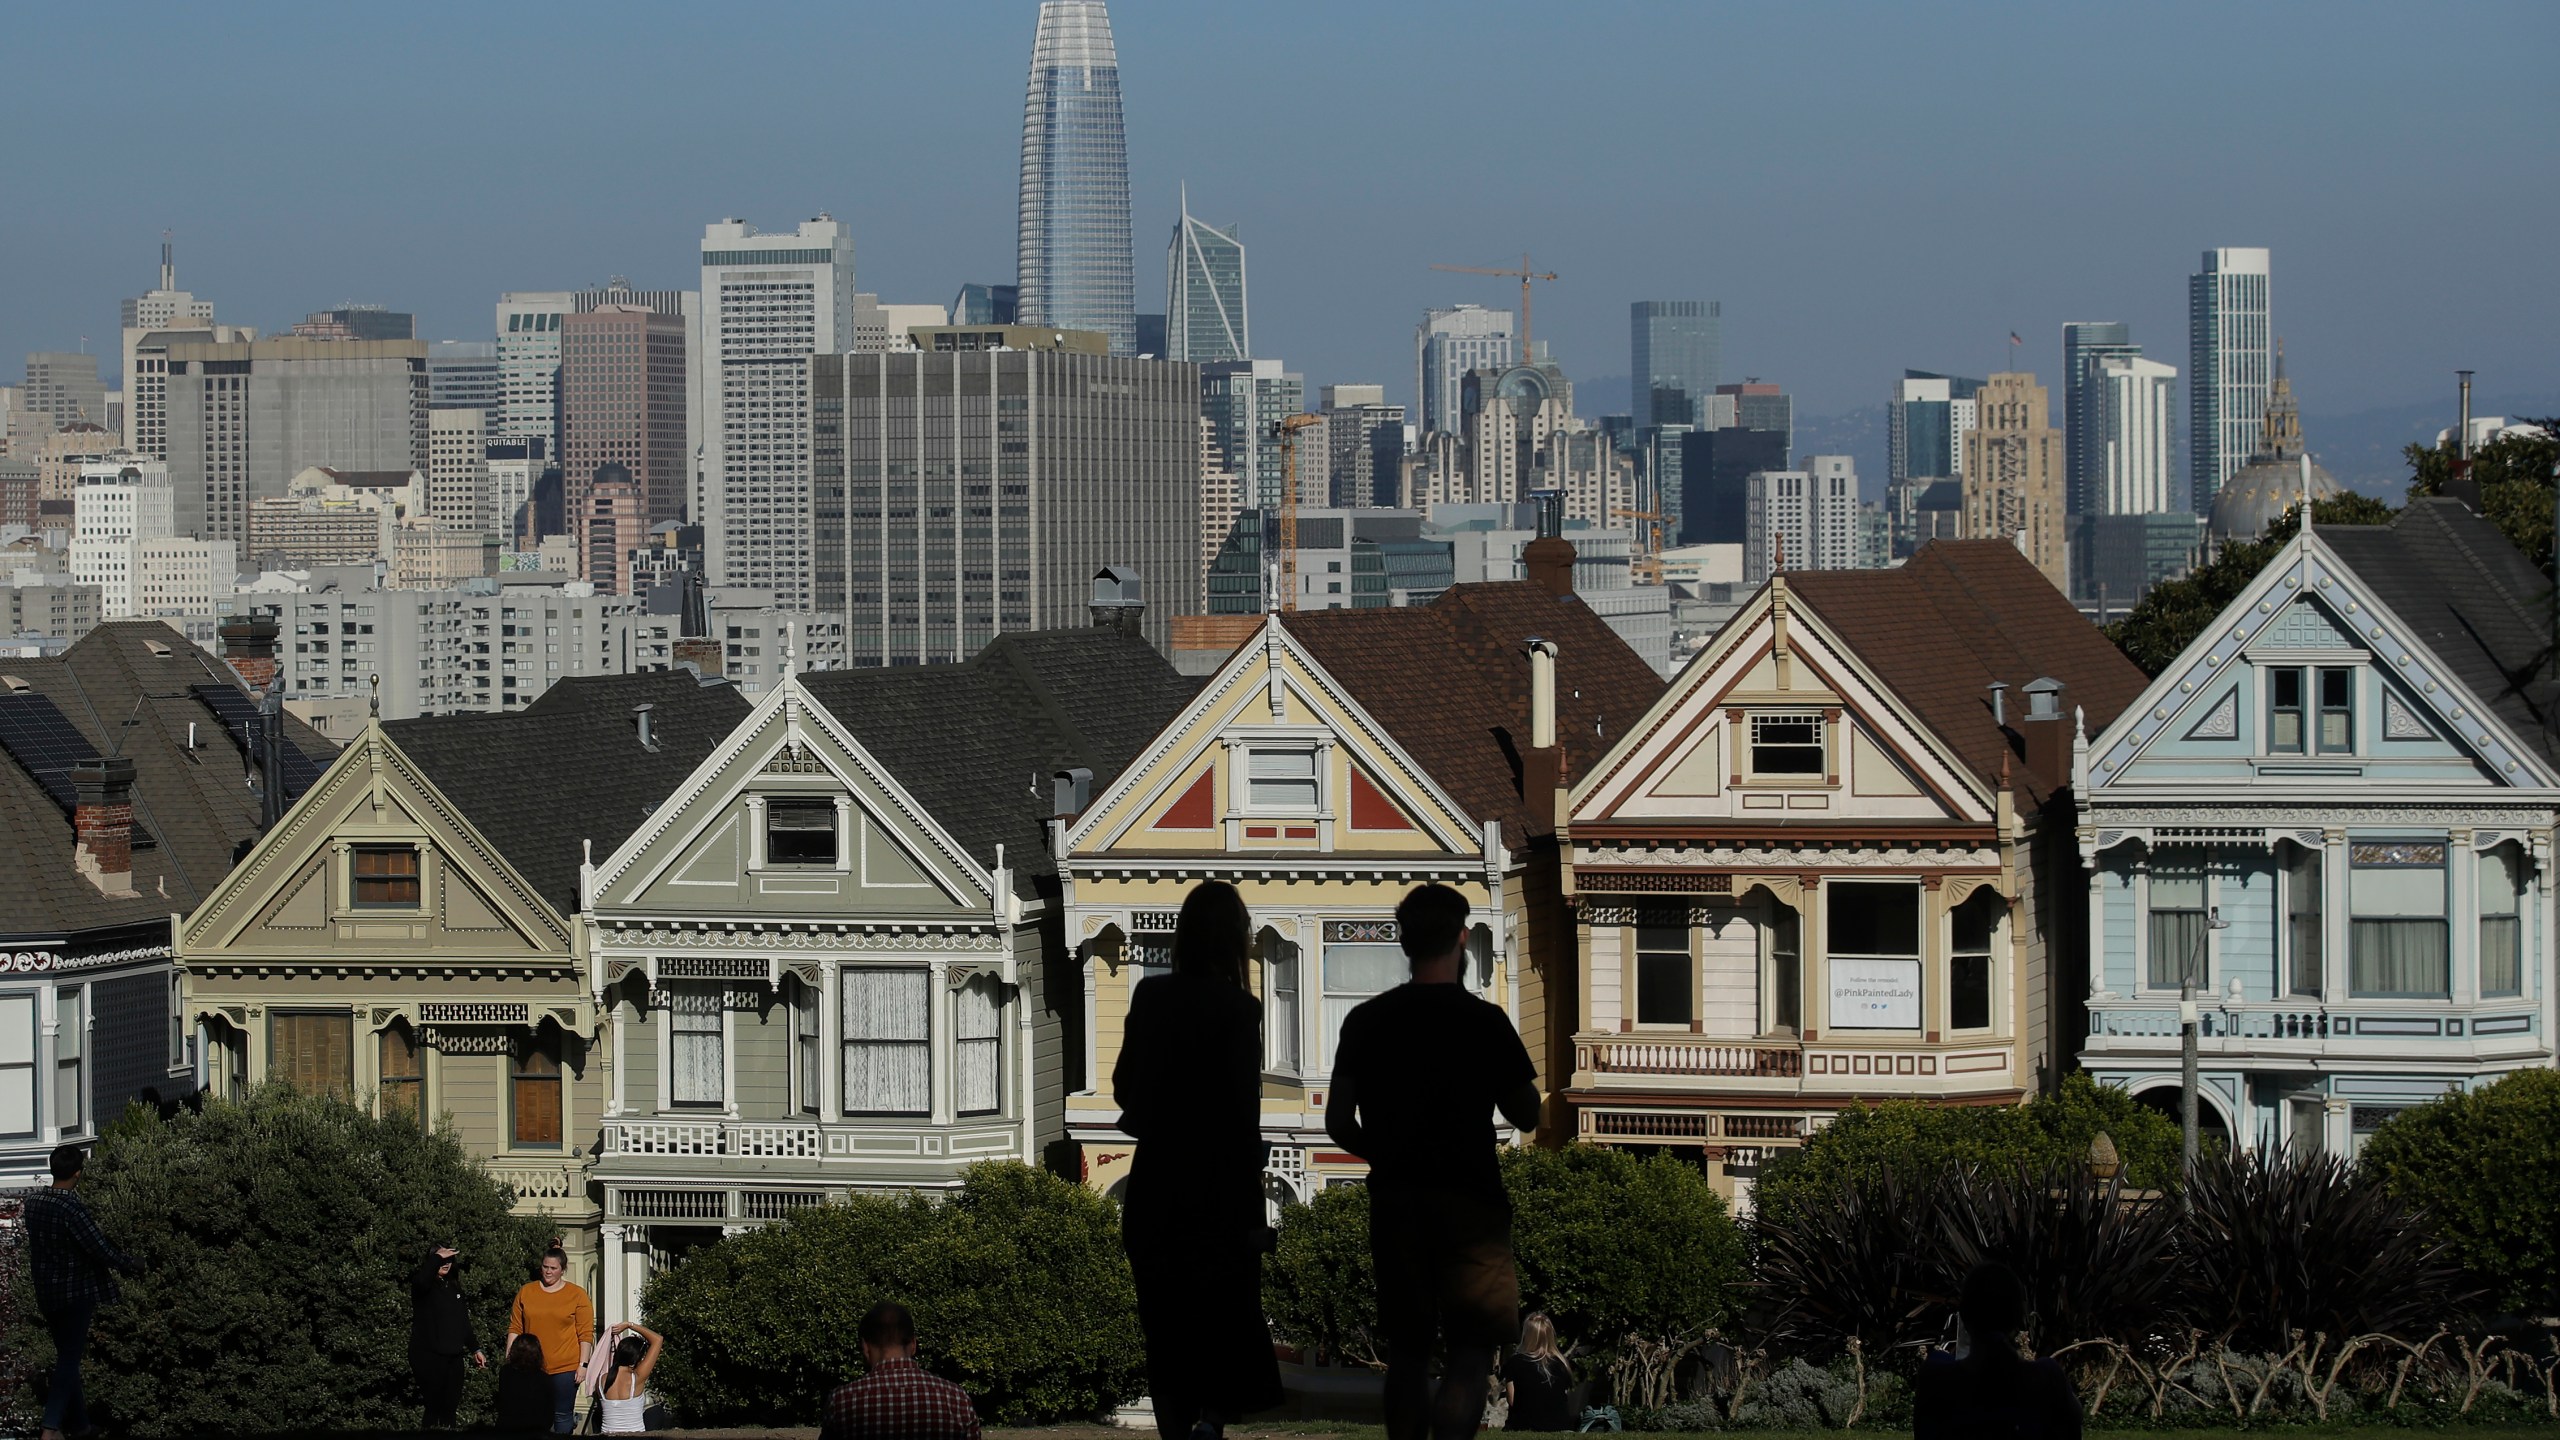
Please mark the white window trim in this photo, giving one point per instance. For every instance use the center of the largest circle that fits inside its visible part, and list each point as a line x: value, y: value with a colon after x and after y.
x: 1825, y: 726
x: 2211, y: 964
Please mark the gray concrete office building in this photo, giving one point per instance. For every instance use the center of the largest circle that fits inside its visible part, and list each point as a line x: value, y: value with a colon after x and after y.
x: 963, y: 495
x: 1672, y: 354
x: 244, y: 419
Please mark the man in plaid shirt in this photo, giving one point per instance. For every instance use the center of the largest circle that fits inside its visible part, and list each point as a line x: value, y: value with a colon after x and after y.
x: 896, y: 1399
x: 72, y: 1265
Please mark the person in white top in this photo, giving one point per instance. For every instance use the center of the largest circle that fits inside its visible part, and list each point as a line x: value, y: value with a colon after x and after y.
x: 625, y: 1392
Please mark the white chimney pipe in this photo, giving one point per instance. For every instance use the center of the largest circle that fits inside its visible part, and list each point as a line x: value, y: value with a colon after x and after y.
x: 1542, y: 694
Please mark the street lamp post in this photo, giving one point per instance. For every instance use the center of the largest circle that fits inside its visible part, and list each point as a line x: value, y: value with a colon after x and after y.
x: 2187, y: 1026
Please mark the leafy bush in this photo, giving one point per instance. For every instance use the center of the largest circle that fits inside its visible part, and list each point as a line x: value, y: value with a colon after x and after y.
x: 2278, y: 1244
x: 1912, y: 1137
x: 1319, y: 1291
x: 1018, y: 1284
x: 2485, y: 1166
x: 1611, y: 1246
x: 276, y: 1237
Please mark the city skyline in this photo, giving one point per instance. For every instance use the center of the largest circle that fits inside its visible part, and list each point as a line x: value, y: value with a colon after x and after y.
x: 270, y: 227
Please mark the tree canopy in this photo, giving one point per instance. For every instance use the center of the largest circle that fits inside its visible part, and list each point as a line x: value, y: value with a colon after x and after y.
x: 2514, y: 474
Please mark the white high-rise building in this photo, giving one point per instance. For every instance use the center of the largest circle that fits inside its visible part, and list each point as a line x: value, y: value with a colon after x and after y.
x: 529, y: 363
x: 1448, y: 344
x: 2129, y: 428
x: 119, y: 502
x: 166, y: 308
x: 458, y: 470
x: 2231, y: 362
x: 1805, y: 519
x: 769, y: 302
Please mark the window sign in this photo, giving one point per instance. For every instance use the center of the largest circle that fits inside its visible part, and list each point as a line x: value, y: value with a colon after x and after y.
x: 1874, y: 994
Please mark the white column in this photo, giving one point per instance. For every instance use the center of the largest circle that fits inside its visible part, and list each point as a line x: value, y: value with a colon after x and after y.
x: 830, y: 1042
x: 2097, y: 931
x: 616, y: 1306
x: 2335, y: 908
x: 937, y: 1029
x: 2461, y: 918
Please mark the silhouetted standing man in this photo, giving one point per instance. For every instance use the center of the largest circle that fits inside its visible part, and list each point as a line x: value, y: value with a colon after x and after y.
x: 1417, y: 1076
x: 71, y: 1262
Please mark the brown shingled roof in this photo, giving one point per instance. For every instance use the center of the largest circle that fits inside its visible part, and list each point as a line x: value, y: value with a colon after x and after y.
x: 1958, y: 616
x: 1450, y: 682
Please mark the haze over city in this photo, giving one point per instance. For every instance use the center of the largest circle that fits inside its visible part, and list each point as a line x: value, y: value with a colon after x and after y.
x: 1863, y: 189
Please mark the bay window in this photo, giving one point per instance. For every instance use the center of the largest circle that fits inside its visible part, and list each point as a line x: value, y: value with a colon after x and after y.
x: 2501, y: 922
x: 2177, y: 920
x: 312, y: 1050
x: 977, y: 1051
x: 1969, y: 960
x: 697, y: 1046
x: 1874, y: 935
x: 2396, y: 932
x: 402, y: 1072
x: 1664, y: 972
x: 70, y: 1044
x: 1786, y: 970
x: 18, y: 1063
x: 1354, y: 971
x: 804, y: 1046
x: 533, y: 1077
x: 888, y: 1033
x: 2305, y: 954
x: 1280, y: 1004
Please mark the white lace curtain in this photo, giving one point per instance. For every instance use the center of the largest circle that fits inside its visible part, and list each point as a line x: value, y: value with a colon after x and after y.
x: 888, y: 1031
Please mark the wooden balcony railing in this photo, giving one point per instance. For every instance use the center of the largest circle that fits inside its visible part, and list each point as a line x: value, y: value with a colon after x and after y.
x: 1676, y: 1055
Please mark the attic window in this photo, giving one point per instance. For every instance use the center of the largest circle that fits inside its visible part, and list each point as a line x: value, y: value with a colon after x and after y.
x: 1788, y: 744
x: 800, y: 832
x: 386, y: 877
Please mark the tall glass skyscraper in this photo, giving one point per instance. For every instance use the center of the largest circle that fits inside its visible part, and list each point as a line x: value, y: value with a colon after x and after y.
x: 2231, y: 354
x: 1205, y: 292
x: 1074, y: 260
x: 1672, y: 360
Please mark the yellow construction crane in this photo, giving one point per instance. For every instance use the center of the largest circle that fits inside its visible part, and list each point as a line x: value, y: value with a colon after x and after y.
x: 1287, y: 428
x: 1646, y: 565
x: 1524, y: 275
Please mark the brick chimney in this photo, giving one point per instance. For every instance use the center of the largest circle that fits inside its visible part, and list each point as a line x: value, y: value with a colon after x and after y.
x: 102, y: 823
x: 1549, y: 558
x: 249, y: 647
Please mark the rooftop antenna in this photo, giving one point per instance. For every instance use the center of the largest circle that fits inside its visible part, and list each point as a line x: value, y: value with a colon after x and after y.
x: 168, y: 262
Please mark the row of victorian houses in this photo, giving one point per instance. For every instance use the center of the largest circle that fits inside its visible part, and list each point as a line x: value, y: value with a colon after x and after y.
x: 676, y: 963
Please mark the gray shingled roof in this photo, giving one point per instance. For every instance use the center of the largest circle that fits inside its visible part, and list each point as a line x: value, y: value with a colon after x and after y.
x: 569, y: 768
x: 2475, y: 600
x: 199, y: 805
x: 967, y: 739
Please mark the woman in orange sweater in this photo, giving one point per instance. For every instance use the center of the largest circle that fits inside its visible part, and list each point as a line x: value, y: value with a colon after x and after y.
x: 559, y: 1317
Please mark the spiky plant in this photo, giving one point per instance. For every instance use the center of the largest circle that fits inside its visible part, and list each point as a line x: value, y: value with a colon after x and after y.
x: 2279, y: 1244
x: 2093, y: 1260
x: 1850, y: 1262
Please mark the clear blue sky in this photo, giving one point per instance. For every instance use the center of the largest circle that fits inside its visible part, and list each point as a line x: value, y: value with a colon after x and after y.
x: 1865, y: 187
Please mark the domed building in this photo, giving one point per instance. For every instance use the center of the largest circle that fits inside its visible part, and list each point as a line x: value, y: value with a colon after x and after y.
x: 2276, y: 479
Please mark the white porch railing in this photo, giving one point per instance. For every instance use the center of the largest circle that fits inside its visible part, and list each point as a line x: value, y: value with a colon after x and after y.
x: 1674, y: 1055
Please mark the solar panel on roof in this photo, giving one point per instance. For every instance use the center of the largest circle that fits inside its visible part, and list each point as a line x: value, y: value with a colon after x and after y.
x: 44, y: 743
x: 239, y: 715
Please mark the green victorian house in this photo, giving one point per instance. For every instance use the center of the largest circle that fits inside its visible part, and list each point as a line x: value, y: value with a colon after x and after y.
x: 407, y: 934
x: 832, y: 961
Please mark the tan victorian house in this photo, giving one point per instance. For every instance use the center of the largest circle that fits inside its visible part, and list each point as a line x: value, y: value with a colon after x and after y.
x: 1830, y: 865
x: 408, y: 934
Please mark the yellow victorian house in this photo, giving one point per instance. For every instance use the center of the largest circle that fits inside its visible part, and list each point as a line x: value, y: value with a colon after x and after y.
x: 407, y: 933
x: 1332, y: 763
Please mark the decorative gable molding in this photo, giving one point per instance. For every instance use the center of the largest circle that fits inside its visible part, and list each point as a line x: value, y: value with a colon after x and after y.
x: 2222, y: 722
x: 2307, y: 602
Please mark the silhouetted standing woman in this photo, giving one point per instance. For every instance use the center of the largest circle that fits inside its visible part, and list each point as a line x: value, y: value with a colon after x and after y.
x: 1189, y: 1083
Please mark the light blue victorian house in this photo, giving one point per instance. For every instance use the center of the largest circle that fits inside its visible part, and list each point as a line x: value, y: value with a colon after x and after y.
x: 2338, y: 806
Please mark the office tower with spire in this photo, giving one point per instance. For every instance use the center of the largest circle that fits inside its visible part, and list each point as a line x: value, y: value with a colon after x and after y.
x: 1075, y: 264
x: 769, y: 302
x: 1671, y: 363
x: 1204, y: 302
x: 2086, y: 343
x: 2230, y: 364
x: 1448, y: 344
